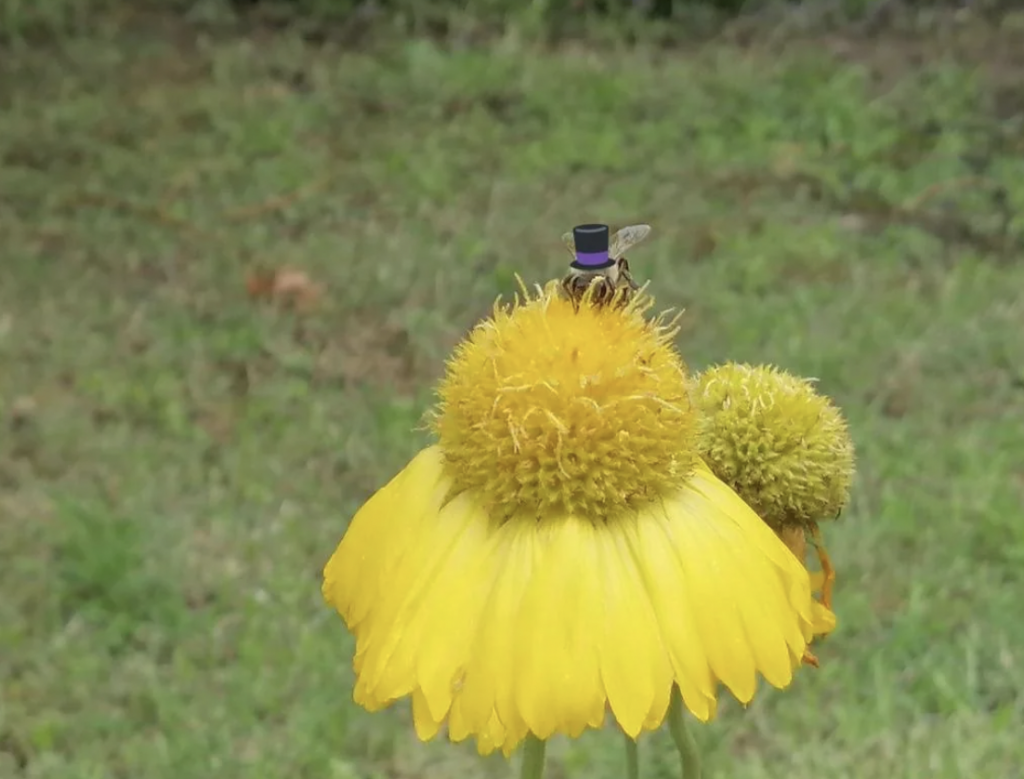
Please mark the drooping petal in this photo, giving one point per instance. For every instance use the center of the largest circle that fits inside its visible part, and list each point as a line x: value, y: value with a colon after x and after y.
x: 430, y: 642
x: 378, y: 537
x: 423, y: 721
x: 635, y: 666
x: 415, y: 591
x: 489, y: 685
x: 741, y: 579
x: 558, y: 624
x: 823, y: 621
x: 567, y: 631
x: 673, y: 604
x: 762, y: 545
x: 721, y: 633
x: 493, y: 736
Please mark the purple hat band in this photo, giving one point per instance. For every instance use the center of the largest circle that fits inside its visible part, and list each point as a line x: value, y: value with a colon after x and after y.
x: 589, y: 259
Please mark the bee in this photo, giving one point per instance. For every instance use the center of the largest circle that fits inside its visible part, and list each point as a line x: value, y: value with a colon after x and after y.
x: 599, y: 265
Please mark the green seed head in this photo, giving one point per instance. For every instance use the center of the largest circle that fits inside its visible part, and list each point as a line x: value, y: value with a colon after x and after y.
x: 781, y: 446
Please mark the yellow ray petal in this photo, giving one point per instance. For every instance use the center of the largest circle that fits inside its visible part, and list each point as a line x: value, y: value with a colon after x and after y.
x: 428, y: 641
x: 452, y: 607
x: 420, y: 570
x: 488, y: 685
x: 763, y: 609
x: 738, y: 572
x: 763, y: 612
x: 703, y: 481
x: 672, y: 603
x: 635, y: 667
x: 824, y: 621
x: 423, y: 721
x: 494, y: 736
x: 707, y: 583
x: 558, y: 678
x: 391, y: 637
x: 762, y: 542
x: 380, y: 535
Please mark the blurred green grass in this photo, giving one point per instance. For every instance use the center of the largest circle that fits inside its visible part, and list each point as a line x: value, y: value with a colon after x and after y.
x: 34, y: 21
x: 178, y: 460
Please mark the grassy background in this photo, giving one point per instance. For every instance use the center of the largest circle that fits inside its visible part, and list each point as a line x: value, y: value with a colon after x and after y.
x: 178, y: 459
x: 30, y: 21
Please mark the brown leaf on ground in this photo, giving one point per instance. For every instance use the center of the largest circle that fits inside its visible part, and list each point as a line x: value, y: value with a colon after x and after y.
x: 288, y: 287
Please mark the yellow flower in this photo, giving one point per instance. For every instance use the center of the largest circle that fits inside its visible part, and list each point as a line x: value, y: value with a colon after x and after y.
x: 563, y: 550
x: 784, y: 448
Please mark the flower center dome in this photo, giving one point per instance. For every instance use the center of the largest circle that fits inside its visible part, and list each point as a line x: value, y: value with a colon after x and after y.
x: 548, y: 408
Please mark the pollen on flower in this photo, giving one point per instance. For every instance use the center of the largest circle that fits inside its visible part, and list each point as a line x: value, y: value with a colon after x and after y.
x: 778, y: 443
x: 546, y: 408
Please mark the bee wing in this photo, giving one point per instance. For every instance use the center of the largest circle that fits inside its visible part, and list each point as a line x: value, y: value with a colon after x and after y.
x: 627, y: 237
x: 570, y: 243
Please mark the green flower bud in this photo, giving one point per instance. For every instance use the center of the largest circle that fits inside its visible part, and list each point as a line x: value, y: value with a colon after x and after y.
x: 784, y: 448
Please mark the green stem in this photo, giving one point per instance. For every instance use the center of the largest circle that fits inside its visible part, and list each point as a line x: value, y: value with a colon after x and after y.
x: 533, y: 758
x: 632, y: 759
x: 689, y: 757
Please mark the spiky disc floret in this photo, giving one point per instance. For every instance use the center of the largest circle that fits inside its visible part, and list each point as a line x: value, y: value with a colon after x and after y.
x: 545, y: 408
x: 771, y: 437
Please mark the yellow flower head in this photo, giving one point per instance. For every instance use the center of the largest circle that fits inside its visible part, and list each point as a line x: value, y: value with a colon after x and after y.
x: 563, y: 550
x: 546, y: 409
x: 771, y: 437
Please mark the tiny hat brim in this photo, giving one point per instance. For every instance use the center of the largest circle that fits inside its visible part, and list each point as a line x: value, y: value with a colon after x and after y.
x: 606, y: 264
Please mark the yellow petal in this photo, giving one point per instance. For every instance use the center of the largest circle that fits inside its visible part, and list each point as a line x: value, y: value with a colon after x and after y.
x: 762, y: 542
x: 560, y: 619
x: 635, y: 666
x: 452, y: 607
x: 428, y: 642
x: 400, y: 607
x: 824, y: 621
x: 492, y: 737
x: 423, y: 721
x: 488, y: 685
x: 380, y: 535
x: 769, y: 621
x: 738, y: 575
x: 675, y: 610
x: 728, y: 653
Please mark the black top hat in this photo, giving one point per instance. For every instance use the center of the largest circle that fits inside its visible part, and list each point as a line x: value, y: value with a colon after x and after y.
x: 591, y: 242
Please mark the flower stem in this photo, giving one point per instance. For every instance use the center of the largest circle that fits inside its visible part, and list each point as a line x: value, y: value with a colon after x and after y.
x: 533, y: 758
x: 632, y: 758
x: 689, y: 757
